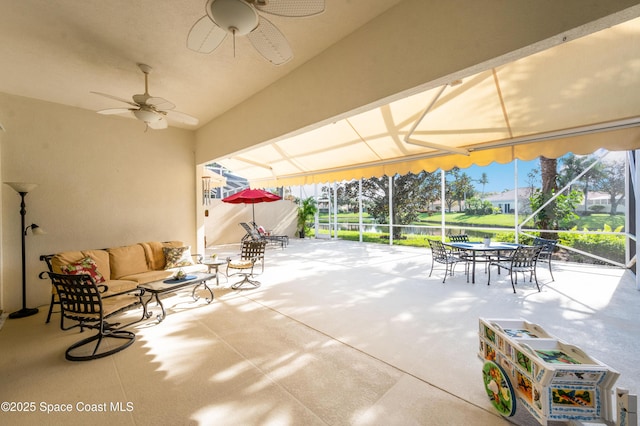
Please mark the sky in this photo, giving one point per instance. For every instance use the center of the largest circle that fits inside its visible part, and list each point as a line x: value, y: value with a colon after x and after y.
x: 501, y: 176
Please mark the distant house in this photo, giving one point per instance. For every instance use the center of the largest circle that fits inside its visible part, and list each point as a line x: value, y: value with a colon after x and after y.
x: 595, y: 198
x: 506, y: 200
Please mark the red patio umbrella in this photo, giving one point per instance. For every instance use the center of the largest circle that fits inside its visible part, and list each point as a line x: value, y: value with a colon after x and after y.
x: 252, y: 196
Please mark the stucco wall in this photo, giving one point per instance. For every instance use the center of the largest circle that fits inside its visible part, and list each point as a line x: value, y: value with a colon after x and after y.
x: 103, y: 182
x: 222, y: 223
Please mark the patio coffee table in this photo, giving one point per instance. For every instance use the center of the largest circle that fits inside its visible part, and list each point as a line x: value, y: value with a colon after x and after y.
x: 170, y: 285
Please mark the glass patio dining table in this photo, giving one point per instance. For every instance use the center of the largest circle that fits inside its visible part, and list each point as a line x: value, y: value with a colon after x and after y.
x: 482, y: 253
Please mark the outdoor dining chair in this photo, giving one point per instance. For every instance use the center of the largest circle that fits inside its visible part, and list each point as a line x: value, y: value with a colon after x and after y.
x: 439, y: 254
x: 524, y: 259
x: 548, y: 247
x: 459, y: 238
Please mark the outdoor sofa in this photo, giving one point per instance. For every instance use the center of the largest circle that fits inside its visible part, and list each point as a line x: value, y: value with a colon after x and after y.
x: 120, y: 270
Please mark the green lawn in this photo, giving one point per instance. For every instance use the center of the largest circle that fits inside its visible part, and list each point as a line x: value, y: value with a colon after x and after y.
x: 592, y: 222
x: 606, y: 246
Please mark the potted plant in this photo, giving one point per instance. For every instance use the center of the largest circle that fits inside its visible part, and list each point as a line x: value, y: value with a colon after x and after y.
x: 305, y: 212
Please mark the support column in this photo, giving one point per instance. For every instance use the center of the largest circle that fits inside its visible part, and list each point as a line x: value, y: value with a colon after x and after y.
x: 516, y: 227
x: 390, y: 210
x: 360, y: 224
x: 443, y: 182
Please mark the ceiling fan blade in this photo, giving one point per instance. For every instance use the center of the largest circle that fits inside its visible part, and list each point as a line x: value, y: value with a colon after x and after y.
x: 270, y: 42
x: 158, y: 125
x: 112, y: 111
x: 290, y: 8
x: 182, y: 117
x: 160, y: 104
x: 116, y: 98
x: 205, y: 35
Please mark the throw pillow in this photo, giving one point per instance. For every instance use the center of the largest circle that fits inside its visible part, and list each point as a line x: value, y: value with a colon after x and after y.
x: 85, y: 266
x: 177, y: 257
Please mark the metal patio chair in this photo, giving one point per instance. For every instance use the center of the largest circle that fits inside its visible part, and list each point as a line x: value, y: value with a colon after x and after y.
x: 251, y: 253
x: 81, y: 303
x: 524, y: 259
x: 548, y: 247
x: 440, y: 254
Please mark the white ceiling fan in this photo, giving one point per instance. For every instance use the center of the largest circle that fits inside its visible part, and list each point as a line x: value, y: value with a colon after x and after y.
x: 152, y: 110
x: 241, y: 17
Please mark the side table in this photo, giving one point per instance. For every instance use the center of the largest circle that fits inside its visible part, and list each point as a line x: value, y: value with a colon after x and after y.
x: 213, y: 265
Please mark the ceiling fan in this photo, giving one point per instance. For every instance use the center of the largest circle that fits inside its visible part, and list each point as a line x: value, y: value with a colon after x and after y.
x: 153, y: 111
x: 241, y: 17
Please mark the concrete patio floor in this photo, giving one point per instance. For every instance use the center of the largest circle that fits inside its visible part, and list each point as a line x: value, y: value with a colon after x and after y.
x: 379, y: 300
x: 339, y: 333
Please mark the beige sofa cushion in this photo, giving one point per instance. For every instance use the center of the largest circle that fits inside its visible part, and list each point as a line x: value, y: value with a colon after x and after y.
x: 154, y: 254
x: 173, y: 244
x: 67, y: 258
x: 151, y: 276
x: 118, y: 286
x: 127, y: 260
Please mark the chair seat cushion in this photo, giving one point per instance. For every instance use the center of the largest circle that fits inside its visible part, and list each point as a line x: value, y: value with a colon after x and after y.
x: 240, y: 264
x: 114, y: 304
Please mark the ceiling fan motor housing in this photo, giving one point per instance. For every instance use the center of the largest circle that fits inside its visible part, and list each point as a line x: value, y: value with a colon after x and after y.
x: 233, y: 16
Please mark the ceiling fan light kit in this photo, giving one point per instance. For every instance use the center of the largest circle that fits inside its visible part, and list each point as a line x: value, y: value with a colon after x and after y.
x: 242, y: 18
x: 146, y: 115
x: 233, y: 16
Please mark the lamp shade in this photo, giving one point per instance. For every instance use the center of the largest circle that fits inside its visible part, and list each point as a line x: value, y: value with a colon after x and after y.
x: 22, y: 186
x: 146, y: 115
x: 35, y: 229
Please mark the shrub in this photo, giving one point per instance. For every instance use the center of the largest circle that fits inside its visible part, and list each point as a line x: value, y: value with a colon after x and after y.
x: 598, y: 208
x: 610, y: 247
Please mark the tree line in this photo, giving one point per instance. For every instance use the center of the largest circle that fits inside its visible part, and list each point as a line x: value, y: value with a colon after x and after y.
x: 416, y: 193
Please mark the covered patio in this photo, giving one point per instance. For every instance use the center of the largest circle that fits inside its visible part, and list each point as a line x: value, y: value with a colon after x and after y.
x: 339, y: 333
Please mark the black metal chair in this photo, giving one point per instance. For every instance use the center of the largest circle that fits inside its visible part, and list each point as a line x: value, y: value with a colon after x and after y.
x: 548, y: 247
x: 82, y: 304
x: 252, y: 252
x: 440, y: 254
x: 524, y: 259
x: 460, y: 238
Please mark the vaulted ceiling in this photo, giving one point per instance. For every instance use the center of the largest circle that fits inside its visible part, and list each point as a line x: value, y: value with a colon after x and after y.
x: 59, y: 51
x: 576, y: 97
x: 357, y: 56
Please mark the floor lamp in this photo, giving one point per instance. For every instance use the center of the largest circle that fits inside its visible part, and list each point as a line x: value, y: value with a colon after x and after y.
x: 23, y: 189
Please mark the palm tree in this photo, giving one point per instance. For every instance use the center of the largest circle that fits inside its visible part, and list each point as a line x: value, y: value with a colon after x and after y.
x: 305, y: 213
x: 484, y: 179
x: 549, y: 176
